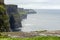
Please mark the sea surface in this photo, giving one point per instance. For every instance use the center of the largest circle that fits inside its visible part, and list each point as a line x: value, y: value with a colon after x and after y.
x: 44, y: 19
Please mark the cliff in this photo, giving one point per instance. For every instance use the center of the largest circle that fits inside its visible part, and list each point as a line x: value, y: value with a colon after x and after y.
x: 15, y: 21
x: 23, y: 13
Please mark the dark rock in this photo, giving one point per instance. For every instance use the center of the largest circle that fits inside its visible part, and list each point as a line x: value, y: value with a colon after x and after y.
x: 15, y: 21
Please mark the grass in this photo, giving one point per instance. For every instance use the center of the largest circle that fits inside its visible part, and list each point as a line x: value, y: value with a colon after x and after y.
x: 33, y: 38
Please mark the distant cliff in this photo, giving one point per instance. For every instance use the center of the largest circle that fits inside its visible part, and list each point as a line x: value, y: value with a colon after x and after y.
x: 30, y: 11
x: 23, y: 13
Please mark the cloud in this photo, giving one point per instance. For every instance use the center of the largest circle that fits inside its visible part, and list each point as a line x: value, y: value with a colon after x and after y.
x: 36, y: 4
x: 40, y: 6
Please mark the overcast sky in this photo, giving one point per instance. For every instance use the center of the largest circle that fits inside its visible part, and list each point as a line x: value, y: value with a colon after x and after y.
x: 36, y: 4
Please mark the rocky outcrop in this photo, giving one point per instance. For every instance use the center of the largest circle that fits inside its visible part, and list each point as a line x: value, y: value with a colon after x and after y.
x: 15, y: 21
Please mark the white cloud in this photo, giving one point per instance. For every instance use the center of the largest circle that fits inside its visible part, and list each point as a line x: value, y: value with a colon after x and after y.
x: 40, y: 6
x: 36, y: 4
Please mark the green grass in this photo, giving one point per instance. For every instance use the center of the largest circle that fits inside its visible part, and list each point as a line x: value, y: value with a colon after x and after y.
x: 33, y: 38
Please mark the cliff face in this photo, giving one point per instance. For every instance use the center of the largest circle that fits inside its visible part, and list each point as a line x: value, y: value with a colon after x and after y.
x: 23, y: 14
x: 15, y: 21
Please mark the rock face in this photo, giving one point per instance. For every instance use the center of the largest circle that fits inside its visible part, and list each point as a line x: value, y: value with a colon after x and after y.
x: 23, y: 14
x: 15, y: 21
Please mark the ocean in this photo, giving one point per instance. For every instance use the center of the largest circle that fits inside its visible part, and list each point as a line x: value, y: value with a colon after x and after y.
x: 44, y: 19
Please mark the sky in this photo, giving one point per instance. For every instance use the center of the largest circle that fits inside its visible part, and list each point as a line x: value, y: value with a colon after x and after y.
x: 35, y: 4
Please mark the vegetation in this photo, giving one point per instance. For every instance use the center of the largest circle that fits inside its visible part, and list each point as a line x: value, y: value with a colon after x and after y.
x: 22, y: 13
x: 4, y: 22
x: 33, y: 38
